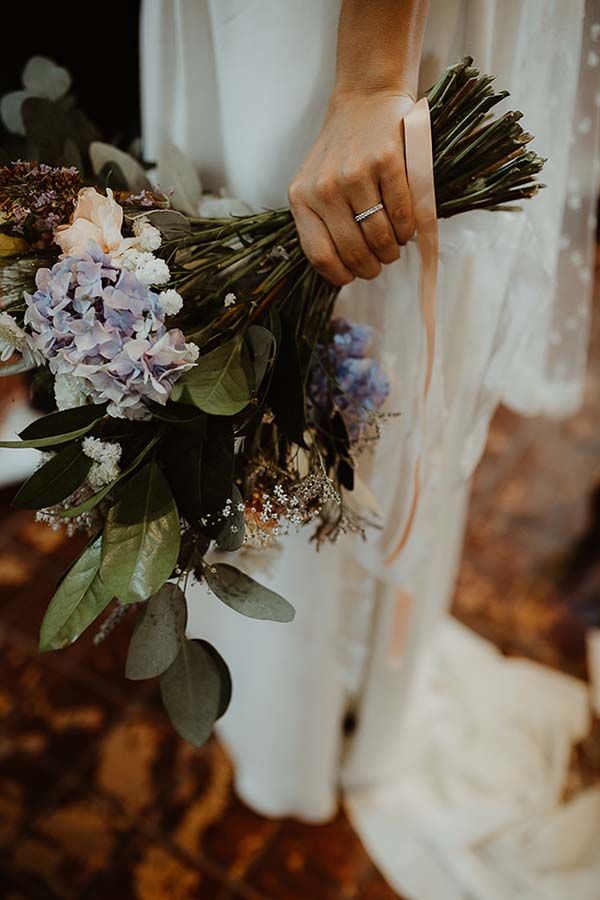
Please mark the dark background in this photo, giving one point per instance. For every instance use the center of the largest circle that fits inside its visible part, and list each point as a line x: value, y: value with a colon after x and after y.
x: 101, y: 55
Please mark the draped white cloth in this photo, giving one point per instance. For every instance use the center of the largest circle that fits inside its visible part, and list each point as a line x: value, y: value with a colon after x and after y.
x: 241, y: 86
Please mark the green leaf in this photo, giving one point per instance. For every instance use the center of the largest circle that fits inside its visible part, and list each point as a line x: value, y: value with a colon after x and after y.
x: 64, y: 422
x: 264, y: 350
x: 199, y: 467
x: 80, y: 598
x: 225, y: 675
x: 141, y: 537
x: 245, y: 595
x: 218, y: 384
x: 59, y: 427
x: 158, y: 634
x: 192, y: 691
x: 55, y: 480
x: 170, y: 223
x: 231, y: 536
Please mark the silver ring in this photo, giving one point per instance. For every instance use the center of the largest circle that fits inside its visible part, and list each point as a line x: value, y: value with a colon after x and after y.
x: 368, y: 212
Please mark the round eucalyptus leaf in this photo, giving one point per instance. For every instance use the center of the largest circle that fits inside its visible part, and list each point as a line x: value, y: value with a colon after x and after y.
x: 192, y: 692
x: 245, y: 595
x: 158, y: 634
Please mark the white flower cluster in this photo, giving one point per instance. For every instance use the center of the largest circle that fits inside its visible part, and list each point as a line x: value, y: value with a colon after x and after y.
x: 136, y: 254
x: 68, y: 392
x: 170, y: 302
x: 14, y: 339
x: 229, y: 300
x: 106, y: 456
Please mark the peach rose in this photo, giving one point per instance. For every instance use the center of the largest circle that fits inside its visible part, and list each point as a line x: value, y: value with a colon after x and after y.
x: 96, y: 218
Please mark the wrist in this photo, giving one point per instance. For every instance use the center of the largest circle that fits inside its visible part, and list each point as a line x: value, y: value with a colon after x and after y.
x: 344, y: 92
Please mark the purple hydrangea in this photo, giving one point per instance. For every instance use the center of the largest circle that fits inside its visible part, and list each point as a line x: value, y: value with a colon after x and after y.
x: 102, y: 326
x: 346, y: 379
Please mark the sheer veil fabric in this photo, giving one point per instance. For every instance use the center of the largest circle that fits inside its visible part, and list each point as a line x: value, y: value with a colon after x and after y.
x: 241, y: 86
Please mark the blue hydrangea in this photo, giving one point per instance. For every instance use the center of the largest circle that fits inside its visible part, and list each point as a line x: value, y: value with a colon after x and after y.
x: 100, y: 325
x: 346, y: 379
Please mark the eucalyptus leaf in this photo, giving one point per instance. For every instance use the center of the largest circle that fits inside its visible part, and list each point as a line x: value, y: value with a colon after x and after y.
x: 55, y: 480
x: 245, y: 595
x: 141, y: 537
x: 46, y: 126
x: 158, y: 634
x: 102, y: 155
x: 192, y: 692
x: 225, y: 675
x: 170, y: 223
x: 178, y: 174
x: 80, y: 598
x: 44, y: 78
x: 218, y: 384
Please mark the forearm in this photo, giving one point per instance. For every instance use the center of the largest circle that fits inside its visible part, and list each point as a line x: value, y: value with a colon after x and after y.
x: 379, y: 45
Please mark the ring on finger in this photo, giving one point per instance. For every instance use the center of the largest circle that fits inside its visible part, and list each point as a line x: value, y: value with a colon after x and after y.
x: 377, y: 207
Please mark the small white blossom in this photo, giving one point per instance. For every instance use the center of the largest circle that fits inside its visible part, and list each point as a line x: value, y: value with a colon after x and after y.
x: 170, y: 302
x: 229, y: 300
x: 148, y: 237
x: 68, y: 391
x: 145, y: 266
x: 193, y: 351
x: 106, y: 456
x: 151, y: 270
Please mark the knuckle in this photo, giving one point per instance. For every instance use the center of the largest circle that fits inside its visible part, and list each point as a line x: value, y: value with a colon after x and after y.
x: 296, y: 192
x: 388, y: 155
x: 324, y: 188
x: 353, y: 176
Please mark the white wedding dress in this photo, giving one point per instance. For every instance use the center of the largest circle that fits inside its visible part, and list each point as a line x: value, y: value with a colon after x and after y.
x: 454, y: 772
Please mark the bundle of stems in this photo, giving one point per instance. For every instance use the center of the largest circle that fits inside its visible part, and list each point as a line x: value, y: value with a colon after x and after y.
x: 480, y: 162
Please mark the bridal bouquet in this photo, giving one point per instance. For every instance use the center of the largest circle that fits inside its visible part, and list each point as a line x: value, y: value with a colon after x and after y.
x: 207, y: 397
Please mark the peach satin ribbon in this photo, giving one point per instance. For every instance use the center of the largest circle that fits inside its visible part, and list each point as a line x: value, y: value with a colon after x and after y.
x: 419, y: 171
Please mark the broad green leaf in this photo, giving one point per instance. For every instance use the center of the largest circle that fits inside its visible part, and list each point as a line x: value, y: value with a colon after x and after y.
x: 59, y: 427
x: 218, y: 384
x: 80, y: 598
x: 55, y: 480
x: 65, y: 421
x: 158, y: 634
x: 141, y: 537
x: 245, y: 595
x: 192, y: 692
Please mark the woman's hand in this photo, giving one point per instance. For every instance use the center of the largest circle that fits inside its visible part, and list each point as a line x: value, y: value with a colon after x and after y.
x: 356, y: 162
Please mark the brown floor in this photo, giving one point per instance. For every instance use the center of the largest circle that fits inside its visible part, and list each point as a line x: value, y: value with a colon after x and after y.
x: 99, y: 799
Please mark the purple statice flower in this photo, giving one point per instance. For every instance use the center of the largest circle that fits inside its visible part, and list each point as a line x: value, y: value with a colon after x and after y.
x: 101, y: 326
x: 346, y: 379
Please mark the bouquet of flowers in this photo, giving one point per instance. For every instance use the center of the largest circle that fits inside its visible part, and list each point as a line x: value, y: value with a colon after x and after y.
x: 207, y: 398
